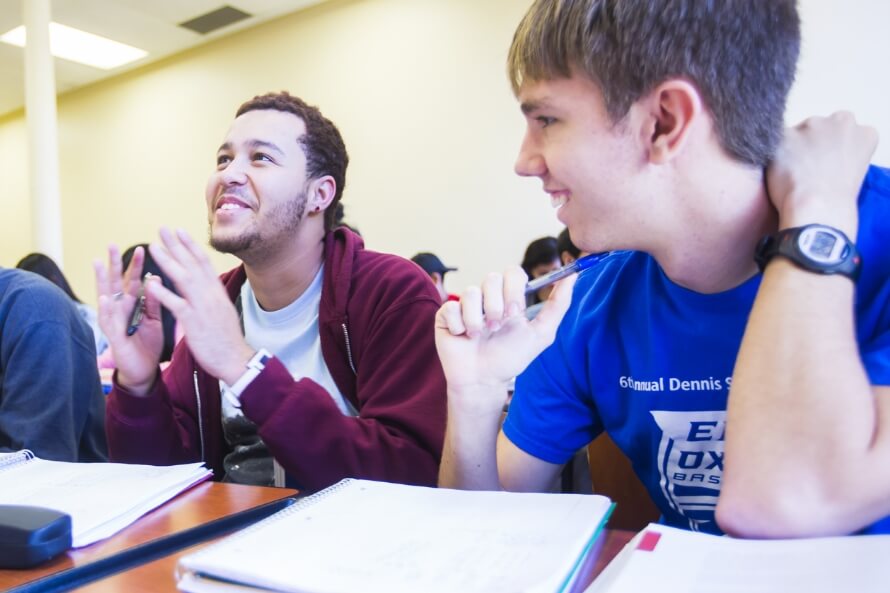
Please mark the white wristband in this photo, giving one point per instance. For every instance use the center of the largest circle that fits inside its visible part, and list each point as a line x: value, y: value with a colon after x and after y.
x: 254, y: 367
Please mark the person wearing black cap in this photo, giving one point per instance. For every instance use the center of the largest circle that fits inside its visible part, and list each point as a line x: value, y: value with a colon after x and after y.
x: 436, y: 270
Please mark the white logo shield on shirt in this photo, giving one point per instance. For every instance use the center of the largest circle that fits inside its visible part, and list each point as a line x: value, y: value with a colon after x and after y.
x: 690, y: 462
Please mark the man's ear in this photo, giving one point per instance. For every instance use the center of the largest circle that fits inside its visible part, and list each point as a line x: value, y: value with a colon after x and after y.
x: 321, y: 193
x: 671, y: 111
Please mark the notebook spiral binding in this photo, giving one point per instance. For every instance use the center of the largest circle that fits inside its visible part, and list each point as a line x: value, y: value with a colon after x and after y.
x: 300, y: 505
x: 13, y: 459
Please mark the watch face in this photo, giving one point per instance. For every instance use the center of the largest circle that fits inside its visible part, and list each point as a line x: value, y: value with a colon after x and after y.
x: 822, y: 244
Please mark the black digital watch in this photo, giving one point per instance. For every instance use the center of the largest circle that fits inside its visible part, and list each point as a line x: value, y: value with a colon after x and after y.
x: 815, y: 247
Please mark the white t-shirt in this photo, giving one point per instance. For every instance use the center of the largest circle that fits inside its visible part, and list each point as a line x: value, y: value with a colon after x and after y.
x: 291, y: 334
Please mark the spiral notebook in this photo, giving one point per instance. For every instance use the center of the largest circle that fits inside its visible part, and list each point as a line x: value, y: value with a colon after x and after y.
x: 378, y: 537
x: 102, y: 498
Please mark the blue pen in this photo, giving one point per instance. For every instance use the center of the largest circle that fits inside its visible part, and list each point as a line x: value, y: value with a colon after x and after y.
x: 579, y: 265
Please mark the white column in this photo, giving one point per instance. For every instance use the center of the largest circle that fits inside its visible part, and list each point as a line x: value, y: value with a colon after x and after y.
x: 43, y: 143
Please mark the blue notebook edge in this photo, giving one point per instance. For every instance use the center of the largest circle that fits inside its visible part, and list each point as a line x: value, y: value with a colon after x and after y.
x: 584, y: 556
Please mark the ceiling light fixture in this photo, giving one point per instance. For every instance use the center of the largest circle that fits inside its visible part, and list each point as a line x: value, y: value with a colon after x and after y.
x: 79, y: 46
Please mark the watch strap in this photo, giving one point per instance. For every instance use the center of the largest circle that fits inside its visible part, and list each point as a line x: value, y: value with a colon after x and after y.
x: 784, y: 243
x: 255, y: 366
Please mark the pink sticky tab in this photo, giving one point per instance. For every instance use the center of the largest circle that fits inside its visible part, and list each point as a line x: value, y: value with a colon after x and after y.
x: 649, y: 541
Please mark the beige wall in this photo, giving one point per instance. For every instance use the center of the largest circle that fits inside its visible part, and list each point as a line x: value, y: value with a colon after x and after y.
x: 15, y: 222
x: 844, y: 64
x: 418, y: 89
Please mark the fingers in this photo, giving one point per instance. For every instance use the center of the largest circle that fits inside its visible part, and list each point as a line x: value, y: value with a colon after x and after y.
x: 133, y: 275
x: 113, y: 301
x: 493, y: 301
x: 152, y: 304
x: 872, y: 137
x: 839, y: 130
x: 488, y: 308
x: 169, y: 266
x: 449, y: 317
x: 174, y: 259
x: 196, y: 251
x: 183, y: 261
x: 471, y: 311
x: 818, y: 169
x: 110, y: 280
x: 183, y: 249
x: 548, y: 319
x: 515, y: 280
x: 503, y: 297
x: 843, y: 123
x: 161, y: 296
x: 115, y: 284
x: 102, y: 284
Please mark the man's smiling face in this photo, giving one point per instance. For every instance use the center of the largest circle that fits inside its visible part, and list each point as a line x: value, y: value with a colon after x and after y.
x: 257, y: 195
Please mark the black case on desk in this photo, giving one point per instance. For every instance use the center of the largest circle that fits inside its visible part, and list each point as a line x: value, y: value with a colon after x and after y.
x: 31, y: 535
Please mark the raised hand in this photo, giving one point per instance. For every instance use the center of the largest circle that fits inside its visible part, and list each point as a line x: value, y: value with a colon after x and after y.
x: 202, y: 308
x: 136, y: 356
x: 818, y: 169
x: 484, y: 340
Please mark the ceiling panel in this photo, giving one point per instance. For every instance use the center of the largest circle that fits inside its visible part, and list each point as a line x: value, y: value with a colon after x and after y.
x: 115, y: 20
x: 151, y: 25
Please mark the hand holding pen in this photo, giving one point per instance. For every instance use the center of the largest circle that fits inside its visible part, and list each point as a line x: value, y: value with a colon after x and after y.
x: 139, y: 309
x: 130, y: 318
x: 485, y: 339
x: 577, y: 266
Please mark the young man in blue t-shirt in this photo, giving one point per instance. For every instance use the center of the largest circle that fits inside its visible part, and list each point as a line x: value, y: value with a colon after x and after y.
x: 650, y: 124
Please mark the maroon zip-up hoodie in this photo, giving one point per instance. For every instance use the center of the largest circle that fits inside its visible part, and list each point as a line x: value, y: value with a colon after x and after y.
x: 376, y: 321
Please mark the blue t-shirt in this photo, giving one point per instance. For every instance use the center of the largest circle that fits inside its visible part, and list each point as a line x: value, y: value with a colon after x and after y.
x: 651, y: 363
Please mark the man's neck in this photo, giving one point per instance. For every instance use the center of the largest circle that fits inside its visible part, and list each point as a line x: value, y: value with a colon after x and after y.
x: 714, y: 248
x: 280, y: 277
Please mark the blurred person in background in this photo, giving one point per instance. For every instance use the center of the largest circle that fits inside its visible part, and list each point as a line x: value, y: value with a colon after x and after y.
x: 436, y: 270
x: 44, y: 265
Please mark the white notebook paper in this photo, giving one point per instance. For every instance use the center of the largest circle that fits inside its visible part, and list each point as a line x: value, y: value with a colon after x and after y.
x: 670, y: 560
x: 377, y: 537
x: 102, y: 498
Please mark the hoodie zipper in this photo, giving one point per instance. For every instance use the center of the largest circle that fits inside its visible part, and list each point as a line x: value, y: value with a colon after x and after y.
x: 348, y: 349
x: 200, y: 414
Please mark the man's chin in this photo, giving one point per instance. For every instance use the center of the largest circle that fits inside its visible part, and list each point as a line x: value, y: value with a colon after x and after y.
x: 232, y: 245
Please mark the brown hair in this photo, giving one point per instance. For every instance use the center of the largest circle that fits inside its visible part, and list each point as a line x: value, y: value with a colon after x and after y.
x: 740, y: 54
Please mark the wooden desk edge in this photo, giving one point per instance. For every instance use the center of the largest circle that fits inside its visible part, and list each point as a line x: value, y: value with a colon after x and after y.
x: 191, y: 509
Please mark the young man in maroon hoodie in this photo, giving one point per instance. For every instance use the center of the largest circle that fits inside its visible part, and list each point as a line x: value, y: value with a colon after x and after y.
x: 311, y: 362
